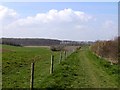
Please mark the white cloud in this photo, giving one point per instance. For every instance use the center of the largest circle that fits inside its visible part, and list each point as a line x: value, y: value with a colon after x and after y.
x: 7, y: 15
x: 52, y: 24
x: 55, y: 16
x: 62, y: 24
x: 109, y: 29
x: 108, y: 24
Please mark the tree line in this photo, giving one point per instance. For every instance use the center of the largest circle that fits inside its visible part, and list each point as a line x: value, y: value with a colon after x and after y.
x: 107, y: 49
x: 41, y: 42
x: 29, y: 42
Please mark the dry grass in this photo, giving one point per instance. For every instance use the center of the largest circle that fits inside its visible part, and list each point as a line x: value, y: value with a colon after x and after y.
x: 39, y: 46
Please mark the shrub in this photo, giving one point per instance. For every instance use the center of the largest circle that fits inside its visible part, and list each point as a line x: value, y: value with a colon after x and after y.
x: 57, y: 48
x: 106, y: 49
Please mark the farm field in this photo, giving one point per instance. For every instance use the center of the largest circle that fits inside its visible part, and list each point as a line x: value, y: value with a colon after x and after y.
x: 38, y: 46
x: 16, y: 64
x: 81, y: 69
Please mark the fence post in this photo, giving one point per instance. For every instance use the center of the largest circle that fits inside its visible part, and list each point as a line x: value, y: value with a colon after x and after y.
x: 111, y: 63
x: 60, y: 57
x: 32, y: 76
x: 73, y: 50
x: 52, y: 62
x: 65, y: 54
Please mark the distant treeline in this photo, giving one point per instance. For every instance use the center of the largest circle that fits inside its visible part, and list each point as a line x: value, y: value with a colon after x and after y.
x: 39, y: 42
x: 29, y: 42
x: 107, y: 49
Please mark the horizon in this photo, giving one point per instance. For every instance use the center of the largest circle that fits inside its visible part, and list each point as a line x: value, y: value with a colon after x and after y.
x: 74, y: 21
x: 55, y: 39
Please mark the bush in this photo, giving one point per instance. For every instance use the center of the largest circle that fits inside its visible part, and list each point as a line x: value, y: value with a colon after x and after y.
x: 57, y: 48
x: 106, y: 49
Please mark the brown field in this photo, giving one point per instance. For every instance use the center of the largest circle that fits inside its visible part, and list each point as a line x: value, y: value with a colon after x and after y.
x: 39, y: 46
x: 5, y: 50
x: 69, y: 48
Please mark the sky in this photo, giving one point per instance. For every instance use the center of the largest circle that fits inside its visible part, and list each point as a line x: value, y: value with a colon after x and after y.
x: 78, y: 21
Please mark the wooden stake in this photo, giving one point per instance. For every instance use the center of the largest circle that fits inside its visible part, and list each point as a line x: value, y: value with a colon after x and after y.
x: 32, y: 76
x: 60, y: 57
x: 51, y: 67
x: 111, y: 63
x: 65, y: 54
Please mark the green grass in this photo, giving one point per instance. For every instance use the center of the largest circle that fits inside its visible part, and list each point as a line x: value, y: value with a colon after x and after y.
x: 16, y: 64
x: 82, y: 69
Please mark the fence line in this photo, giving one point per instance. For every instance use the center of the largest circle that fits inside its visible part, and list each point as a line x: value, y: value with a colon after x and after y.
x: 66, y: 54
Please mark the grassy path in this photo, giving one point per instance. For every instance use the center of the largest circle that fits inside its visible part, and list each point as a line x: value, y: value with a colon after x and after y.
x: 83, y: 70
x: 96, y: 75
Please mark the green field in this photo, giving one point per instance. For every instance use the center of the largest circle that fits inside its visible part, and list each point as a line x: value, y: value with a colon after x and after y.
x: 82, y: 69
x: 16, y: 64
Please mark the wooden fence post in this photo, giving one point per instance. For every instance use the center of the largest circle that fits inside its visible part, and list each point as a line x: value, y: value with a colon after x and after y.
x: 60, y: 57
x: 32, y: 76
x: 65, y: 54
x: 73, y: 50
x: 111, y: 63
x: 52, y: 62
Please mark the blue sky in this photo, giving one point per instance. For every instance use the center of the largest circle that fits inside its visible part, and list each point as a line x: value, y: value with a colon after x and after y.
x: 99, y: 20
x: 89, y: 7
